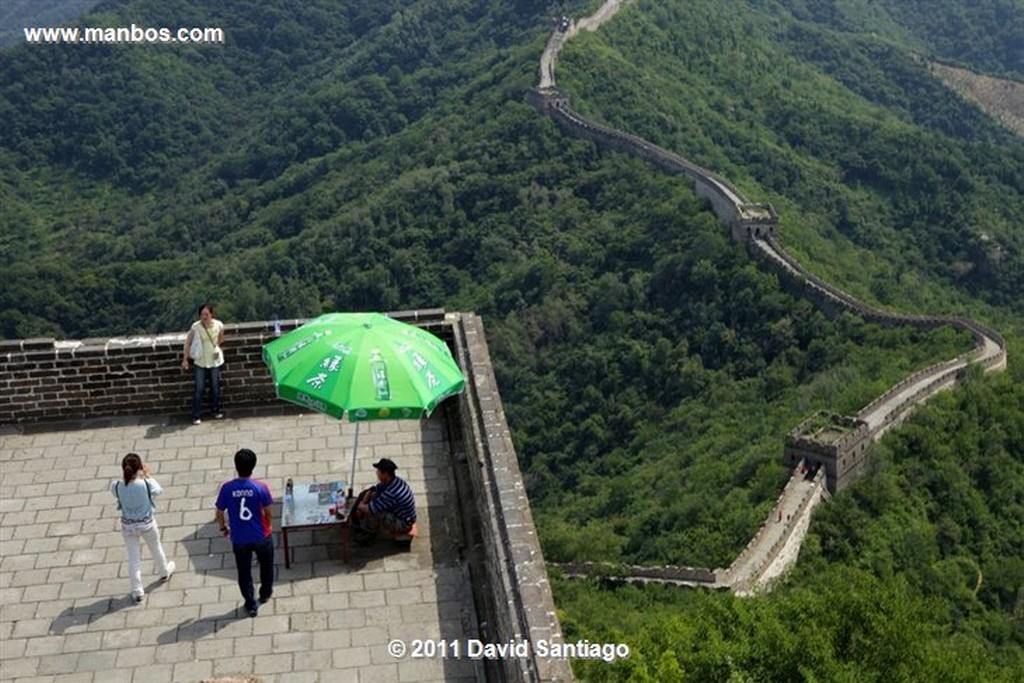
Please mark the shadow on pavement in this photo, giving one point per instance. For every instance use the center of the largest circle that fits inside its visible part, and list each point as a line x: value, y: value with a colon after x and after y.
x: 209, y: 552
x: 87, y: 614
x: 194, y: 629
x: 160, y: 430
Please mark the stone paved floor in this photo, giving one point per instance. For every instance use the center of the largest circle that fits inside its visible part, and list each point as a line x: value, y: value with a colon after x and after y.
x: 65, y: 613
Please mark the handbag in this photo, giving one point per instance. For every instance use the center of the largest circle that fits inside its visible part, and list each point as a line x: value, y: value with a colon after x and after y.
x: 196, y: 349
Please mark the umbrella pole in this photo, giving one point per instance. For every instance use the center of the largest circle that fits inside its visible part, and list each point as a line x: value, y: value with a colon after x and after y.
x: 352, y: 475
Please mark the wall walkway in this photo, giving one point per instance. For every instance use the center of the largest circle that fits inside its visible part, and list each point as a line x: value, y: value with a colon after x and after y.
x: 49, y: 384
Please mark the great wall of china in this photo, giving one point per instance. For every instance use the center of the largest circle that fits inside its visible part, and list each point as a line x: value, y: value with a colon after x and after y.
x: 826, y: 451
x: 46, y: 380
x: 53, y: 384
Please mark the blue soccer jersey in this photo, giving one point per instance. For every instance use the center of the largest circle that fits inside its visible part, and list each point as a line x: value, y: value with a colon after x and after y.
x: 244, y: 501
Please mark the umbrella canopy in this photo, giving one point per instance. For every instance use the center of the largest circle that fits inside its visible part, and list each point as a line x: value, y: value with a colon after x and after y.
x: 367, y: 365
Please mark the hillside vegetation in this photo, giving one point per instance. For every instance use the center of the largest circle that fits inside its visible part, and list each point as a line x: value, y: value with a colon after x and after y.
x: 913, y: 546
x: 347, y: 156
x: 983, y: 35
x: 868, y: 157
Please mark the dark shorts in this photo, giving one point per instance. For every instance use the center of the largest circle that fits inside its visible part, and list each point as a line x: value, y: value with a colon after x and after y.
x: 388, y: 522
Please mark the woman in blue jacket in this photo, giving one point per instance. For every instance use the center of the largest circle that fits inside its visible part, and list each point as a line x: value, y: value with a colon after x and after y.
x: 135, y: 495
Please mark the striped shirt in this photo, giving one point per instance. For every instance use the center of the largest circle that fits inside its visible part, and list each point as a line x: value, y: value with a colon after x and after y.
x: 395, y: 497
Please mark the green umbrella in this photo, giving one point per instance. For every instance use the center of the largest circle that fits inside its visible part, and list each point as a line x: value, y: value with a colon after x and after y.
x: 365, y: 365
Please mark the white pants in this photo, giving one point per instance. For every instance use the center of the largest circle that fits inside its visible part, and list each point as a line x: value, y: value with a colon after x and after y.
x: 151, y: 533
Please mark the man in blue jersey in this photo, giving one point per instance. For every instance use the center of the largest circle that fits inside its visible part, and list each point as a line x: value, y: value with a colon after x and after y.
x: 247, y: 504
x: 388, y: 506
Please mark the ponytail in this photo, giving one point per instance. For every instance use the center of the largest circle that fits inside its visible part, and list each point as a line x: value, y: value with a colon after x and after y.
x: 131, y: 464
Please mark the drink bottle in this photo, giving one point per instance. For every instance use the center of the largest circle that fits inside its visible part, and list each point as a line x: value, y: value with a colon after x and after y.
x: 379, y: 370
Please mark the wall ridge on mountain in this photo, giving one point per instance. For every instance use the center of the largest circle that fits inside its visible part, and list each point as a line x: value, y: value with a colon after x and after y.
x: 758, y: 226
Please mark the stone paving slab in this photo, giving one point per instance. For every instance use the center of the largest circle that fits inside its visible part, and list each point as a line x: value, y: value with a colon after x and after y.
x: 65, y: 612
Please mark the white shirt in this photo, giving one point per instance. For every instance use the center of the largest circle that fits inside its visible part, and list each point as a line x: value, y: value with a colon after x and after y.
x: 211, y: 356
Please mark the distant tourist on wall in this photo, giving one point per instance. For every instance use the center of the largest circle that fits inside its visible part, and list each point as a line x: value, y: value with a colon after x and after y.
x: 244, y: 514
x: 389, y: 506
x: 135, y: 493
x: 203, y: 347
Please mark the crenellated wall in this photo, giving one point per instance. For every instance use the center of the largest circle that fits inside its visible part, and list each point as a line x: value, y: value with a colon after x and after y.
x: 783, y: 554
x: 690, y: 576
x: 796, y: 501
x: 744, y: 219
x: 891, y: 407
x: 807, y: 494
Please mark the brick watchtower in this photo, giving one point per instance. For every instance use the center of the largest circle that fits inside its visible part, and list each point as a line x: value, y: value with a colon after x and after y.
x: 753, y: 221
x: 837, y: 442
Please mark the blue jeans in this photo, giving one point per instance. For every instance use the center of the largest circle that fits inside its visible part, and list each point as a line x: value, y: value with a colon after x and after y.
x: 200, y: 376
x: 243, y: 560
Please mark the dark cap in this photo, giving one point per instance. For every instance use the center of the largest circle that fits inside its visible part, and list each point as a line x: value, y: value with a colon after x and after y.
x: 386, y: 465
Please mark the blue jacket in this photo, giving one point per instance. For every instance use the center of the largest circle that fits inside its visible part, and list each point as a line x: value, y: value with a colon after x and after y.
x: 135, y: 500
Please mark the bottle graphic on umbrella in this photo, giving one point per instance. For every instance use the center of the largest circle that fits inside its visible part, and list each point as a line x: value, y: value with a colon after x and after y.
x: 379, y: 370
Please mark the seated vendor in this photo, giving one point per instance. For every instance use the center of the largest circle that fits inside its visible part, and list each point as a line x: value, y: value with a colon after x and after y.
x: 389, y: 506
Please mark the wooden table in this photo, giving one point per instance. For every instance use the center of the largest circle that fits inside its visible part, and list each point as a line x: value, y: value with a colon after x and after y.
x: 310, y: 508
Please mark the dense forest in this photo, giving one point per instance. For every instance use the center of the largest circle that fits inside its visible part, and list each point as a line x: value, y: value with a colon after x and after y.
x: 355, y: 156
x: 913, y: 574
x: 849, y: 135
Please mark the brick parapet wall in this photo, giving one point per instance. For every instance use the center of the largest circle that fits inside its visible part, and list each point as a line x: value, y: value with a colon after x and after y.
x: 729, y: 575
x: 826, y: 295
x: 725, y: 199
x: 785, y: 551
x: 43, y: 380
x: 805, y: 507
x: 630, y: 572
x: 512, y: 563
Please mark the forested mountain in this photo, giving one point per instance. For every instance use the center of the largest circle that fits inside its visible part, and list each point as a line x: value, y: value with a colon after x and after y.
x: 847, y: 133
x: 983, y: 35
x: 341, y: 156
